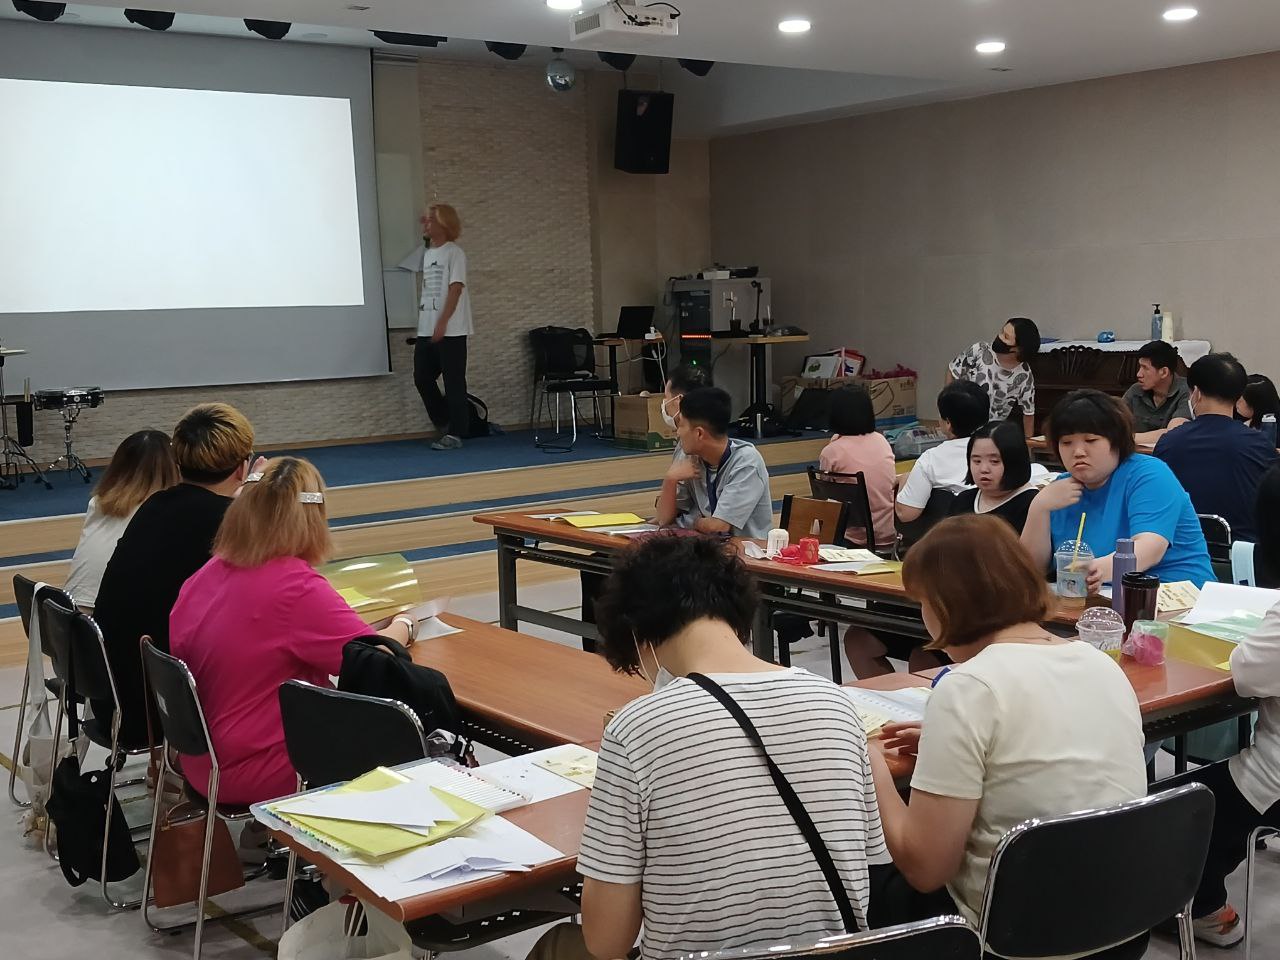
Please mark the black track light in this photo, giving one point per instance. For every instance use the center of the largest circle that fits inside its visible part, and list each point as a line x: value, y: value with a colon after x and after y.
x: 507, y: 51
x: 48, y: 12
x: 619, y: 61
x: 151, y: 19
x: 271, y: 29
x: 409, y: 39
x: 699, y: 68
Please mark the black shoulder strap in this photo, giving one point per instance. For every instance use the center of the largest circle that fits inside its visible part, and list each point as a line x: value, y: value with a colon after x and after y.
x: 789, y: 797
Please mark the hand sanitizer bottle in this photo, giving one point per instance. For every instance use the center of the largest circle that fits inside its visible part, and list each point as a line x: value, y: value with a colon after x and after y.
x: 1157, y: 323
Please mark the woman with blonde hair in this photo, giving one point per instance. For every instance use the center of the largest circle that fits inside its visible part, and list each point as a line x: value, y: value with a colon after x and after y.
x: 141, y: 465
x: 444, y: 323
x: 1025, y: 724
x: 258, y: 614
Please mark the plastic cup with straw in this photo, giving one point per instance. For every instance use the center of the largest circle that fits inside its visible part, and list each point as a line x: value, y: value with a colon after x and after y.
x: 1068, y: 558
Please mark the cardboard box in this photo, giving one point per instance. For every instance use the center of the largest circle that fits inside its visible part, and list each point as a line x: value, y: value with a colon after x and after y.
x: 894, y: 400
x: 638, y: 424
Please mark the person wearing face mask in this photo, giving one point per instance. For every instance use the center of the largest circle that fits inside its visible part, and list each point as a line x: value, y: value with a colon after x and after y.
x: 682, y: 379
x: 1002, y: 368
x: 1000, y: 471
x: 720, y: 485
x: 686, y: 834
x: 1121, y: 494
x: 1216, y: 458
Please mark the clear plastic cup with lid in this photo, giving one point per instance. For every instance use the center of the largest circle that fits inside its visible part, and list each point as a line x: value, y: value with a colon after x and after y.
x: 1071, y: 563
x: 1103, y: 628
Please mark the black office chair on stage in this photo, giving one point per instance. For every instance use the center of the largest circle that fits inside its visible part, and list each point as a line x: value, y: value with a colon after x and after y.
x: 941, y: 938
x: 1083, y: 882
x: 24, y: 593
x: 564, y: 364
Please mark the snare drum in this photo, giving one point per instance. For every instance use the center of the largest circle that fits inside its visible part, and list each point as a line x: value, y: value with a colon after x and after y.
x: 70, y: 397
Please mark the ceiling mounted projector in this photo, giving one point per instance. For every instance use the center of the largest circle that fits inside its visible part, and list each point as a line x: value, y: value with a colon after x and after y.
x: 622, y: 20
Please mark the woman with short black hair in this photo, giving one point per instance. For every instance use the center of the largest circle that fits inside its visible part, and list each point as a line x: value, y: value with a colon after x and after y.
x: 1119, y: 493
x: 1003, y: 368
x: 856, y: 447
x: 1000, y: 471
x: 1259, y: 399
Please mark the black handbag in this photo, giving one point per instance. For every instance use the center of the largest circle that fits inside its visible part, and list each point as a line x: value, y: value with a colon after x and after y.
x: 78, y: 807
x: 367, y: 669
x: 801, y: 816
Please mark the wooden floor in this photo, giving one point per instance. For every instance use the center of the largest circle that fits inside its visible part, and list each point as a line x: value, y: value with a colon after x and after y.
x: 541, y: 486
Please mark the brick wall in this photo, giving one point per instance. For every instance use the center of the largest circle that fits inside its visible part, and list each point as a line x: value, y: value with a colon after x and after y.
x: 512, y: 156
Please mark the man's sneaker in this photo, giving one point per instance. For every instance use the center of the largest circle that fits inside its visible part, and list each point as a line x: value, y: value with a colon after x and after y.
x: 1222, y: 928
x: 447, y: 442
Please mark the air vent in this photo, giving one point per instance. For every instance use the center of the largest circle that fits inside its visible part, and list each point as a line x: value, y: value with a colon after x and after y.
x: 586, y: 24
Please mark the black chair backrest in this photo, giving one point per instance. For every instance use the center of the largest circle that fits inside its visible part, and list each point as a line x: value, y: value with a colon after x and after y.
x: 561, y: 352
x: 942, y: 938
x: 937, y: 509
x: 1135, y: 865
x: 333, y: 735
x: 24, y: 592
x: 1217, y: 534
x: 851, y: 489
x: 173, y: 690
x: 74, y: 645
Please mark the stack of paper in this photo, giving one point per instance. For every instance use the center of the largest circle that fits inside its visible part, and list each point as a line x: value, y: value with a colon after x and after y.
x: 1173, y: 597
x: 879, y: 707
x: 833, y: 554
x: 428, y: 617
x: 571, y: 761
x: 1219, y: 601
x: 524, y: 775
x: 590, y: 521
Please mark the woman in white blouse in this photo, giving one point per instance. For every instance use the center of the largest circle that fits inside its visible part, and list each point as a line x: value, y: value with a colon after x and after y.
x: 141, y: 465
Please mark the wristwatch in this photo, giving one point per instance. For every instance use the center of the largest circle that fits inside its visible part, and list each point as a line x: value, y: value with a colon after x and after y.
x: 410, y: 623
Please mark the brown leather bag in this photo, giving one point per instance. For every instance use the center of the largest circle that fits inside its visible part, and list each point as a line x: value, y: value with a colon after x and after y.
x: 177, y: 850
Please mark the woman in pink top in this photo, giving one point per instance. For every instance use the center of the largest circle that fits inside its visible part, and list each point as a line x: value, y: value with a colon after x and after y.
x: 258, y: 614
x: 858, y: 448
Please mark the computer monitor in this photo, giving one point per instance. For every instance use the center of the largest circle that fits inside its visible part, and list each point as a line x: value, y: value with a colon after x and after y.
x: 634, y: 322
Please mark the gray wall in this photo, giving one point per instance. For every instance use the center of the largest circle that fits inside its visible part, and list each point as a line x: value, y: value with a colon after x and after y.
x: 911, y: 233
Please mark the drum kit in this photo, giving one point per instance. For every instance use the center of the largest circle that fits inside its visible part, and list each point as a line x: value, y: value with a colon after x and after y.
x: 15, y: 462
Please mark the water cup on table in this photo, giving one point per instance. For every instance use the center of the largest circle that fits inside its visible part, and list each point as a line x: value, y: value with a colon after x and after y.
x: 1071, y: 561
x: 1103, y: 628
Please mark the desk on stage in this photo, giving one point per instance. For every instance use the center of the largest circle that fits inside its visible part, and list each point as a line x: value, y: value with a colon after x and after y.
x: 760, y: 409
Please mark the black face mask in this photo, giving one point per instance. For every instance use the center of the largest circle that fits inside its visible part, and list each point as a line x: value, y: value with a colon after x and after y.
x: 999, y: 346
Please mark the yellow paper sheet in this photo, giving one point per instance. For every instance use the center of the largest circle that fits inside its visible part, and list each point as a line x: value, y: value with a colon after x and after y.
x: 587, y: 521
x: 354, y: 597
x: 572, y: 762
x: 1176, y: 596
x: 378, y: 840
x: 872, y: 722
x: 888, y: 566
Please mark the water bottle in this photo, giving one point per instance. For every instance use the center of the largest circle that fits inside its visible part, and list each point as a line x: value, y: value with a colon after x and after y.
x: 1268, y: 427
x: 1157, y: 323
x: 1124, y: 560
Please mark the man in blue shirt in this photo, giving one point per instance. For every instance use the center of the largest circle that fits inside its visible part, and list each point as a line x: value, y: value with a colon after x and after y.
x: 1218, y: 459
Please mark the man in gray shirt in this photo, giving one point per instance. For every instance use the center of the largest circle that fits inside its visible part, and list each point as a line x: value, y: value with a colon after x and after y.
x: 718, y: 485
x: 1160, y: 400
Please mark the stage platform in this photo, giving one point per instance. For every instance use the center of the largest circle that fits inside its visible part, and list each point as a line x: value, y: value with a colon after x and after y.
x: 403, y: 497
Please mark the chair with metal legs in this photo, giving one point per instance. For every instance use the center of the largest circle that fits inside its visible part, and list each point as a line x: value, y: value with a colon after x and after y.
x: 185, y: 732
x: 941, y: 938
x: 80, y: 661
x: 24, y: 592
x: 1258, y: 835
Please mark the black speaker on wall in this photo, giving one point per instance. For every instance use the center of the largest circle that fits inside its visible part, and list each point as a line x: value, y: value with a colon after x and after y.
x: 642, y: 142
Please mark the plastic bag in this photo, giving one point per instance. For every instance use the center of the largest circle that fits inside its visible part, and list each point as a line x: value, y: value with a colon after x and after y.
x: 346, y: 931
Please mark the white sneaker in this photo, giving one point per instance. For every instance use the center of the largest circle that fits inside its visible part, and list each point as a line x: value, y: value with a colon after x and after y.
x: 1222, y: 928
x: 447, y: 442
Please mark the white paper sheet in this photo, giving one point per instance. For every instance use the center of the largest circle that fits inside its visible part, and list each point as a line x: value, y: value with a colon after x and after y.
x: 1220, y: 600
x: 493, y: 844
x: 407, y: 805
x: 434, y: 627
x: 565, y: 513
x: 430, y: 609
x: 523, y: 775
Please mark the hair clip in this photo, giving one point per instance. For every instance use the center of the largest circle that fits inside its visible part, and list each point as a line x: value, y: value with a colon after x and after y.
x: 309, y: 497
x: 253, y: 477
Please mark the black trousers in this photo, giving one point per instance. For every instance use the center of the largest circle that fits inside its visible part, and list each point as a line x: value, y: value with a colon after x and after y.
x: 449, y: 412
x: 1234, y: 818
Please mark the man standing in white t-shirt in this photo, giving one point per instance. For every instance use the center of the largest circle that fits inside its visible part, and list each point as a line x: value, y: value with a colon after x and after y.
x: 444, y: 323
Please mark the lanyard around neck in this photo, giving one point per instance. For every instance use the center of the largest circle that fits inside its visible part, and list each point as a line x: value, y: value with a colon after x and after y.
x: 713, y: 486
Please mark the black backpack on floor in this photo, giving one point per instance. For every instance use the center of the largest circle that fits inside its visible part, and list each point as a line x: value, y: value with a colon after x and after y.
x: 479, y: 417
x: 367, y: 669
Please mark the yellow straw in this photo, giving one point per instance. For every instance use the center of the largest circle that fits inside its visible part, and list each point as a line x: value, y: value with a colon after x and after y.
x: 1079, y: 534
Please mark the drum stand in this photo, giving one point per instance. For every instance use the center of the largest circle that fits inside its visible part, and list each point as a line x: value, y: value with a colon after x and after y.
x: 13, y: 458
x: 69, y: 417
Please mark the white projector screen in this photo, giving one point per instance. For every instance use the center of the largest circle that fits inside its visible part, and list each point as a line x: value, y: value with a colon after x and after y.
x: 178, y: 211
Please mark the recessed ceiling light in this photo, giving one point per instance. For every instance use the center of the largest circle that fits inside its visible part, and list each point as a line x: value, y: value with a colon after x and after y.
x: 564, y: 4
x: 312, y: 36
x: 990, y: 46
x: 795, y: 25
x: 1179, y: 14
x: 356, y: 6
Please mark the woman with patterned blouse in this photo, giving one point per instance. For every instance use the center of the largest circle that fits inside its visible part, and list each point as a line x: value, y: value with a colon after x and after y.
x: 1001, y: 366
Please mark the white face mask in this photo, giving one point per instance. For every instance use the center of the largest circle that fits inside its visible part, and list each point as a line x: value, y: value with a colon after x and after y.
x: 663, y: 676
x: 667, y: 418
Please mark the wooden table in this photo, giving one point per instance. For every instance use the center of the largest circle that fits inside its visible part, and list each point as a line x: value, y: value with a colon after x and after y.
x: 612, y: 344
x: 519, y: 693
x: 875, y: 602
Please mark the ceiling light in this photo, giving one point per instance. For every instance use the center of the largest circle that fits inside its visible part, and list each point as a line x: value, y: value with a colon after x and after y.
x: 990, y: 46
x: 796, y: 25
x: 564, y: 4
x: 1179, y: 14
